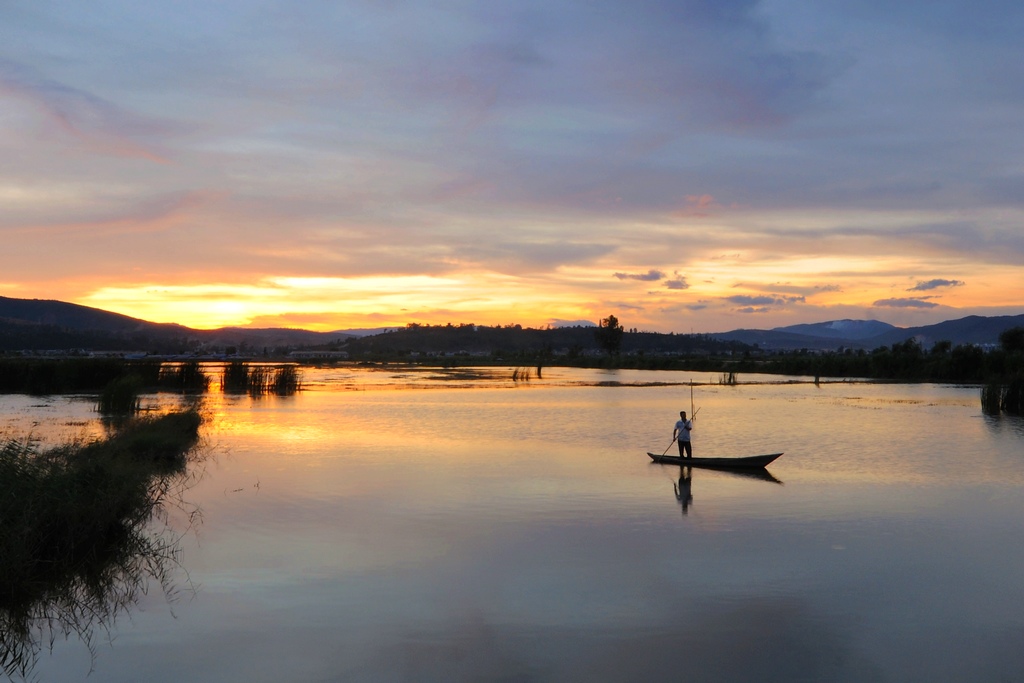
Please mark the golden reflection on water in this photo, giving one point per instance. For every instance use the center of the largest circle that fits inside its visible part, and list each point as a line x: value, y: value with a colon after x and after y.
x: 402, y: 506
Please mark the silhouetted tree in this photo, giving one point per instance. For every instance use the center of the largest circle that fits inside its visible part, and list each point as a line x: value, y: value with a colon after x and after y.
x: 1012, y: 340
x: 609, y: 334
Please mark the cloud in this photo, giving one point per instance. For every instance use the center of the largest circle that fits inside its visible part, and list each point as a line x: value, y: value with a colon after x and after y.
x: 764, y: 300
x: 546, y: 145
x: 650, y: 276
x: 102, y: 126
x: 776, y: 289
x: 935, y: 284
x: 543, y: 254
x: 904, y: 303
x: 698, y: 206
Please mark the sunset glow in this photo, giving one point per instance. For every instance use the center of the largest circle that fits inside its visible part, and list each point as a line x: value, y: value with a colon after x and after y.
x: 365, y: 165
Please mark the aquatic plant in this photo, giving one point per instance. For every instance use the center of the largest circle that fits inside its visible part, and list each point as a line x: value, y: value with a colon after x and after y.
x: 1013, y: 396
x: 66, y: 375
x: 235, y: 378
x: 259, y: 380
x: 1006, y: 397
x: 121, y: 396
x: 991, y: 398
x: 286, y: 380
x: 522, y: 374
x: 75, y: 545
x: 187, y: 377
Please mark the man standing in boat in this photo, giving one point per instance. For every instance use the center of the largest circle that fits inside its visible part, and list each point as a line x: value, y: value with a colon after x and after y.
x: 681, y: 434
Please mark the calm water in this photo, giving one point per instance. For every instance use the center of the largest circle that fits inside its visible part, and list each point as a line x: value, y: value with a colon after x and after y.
x: 414, y: 526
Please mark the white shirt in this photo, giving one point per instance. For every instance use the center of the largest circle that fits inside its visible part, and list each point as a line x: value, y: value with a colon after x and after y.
x: 683, y: 428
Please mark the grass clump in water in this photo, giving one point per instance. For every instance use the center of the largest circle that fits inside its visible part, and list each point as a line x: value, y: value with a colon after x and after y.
x: 235, y: 379
x: 991, y: 398
x: 187, y: 378
x: 1013, y: 396
x: 121, y: 396
x: 259, y: 380
x: 997, y: 397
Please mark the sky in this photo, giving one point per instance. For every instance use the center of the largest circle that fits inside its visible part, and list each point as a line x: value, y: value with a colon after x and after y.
x: 684, y: 165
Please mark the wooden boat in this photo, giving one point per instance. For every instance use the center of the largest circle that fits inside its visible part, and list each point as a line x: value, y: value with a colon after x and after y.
x: 749, y: 462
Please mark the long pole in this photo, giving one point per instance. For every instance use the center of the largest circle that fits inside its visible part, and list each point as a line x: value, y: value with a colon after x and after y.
x: 691, y: 398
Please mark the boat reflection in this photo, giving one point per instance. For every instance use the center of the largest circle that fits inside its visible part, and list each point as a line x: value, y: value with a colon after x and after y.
x: 759, y: 474
x: 683, y: 488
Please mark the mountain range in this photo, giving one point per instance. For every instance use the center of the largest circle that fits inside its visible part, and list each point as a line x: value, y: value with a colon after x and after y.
x: 871, y: 334
x: 35, y: 324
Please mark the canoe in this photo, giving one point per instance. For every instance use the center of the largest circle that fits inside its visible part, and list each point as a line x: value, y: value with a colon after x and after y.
x: 752, y: 461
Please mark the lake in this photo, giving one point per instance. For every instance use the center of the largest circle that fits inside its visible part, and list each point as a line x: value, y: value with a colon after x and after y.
x: 397, y: 524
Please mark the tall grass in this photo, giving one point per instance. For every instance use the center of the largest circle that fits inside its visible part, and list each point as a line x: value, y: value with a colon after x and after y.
x: 991, y: 398
x: 121, y: 396
x: 998, y: 397
x: 187, y: 377
x: 235, y: 378
x: 1013, y: 396
x: 259, y: 380
x: 74, y: 545
x: 286, y: 380
x: 521, y: 375
x: 68, y: 375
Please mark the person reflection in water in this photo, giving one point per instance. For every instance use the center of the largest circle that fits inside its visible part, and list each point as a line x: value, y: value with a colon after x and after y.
x: 683, y: 488
x: 681, y: 434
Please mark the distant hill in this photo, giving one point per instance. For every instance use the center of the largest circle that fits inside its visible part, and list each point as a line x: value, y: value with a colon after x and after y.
x: 841, y: 329
x: 270, y: 337
x: 73, y: 316
x: 40, y: 324
x: 974, y: 329
x: 37, y: 324
x: 509, y: 340
x: 871, y: 334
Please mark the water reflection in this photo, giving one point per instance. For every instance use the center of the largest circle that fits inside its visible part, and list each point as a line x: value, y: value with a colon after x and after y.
x: 1002, y: 423
x: 524, y: 537
x: 85, y: 532
x: 684, y: 492
x: 84, y: 602
x: 683, y: 487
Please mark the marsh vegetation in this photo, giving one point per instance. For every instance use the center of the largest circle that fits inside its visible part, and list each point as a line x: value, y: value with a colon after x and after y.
x: 76, y: 544
x: 258, y: 380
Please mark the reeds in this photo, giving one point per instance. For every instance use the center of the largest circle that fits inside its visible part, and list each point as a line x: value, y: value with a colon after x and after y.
x: 259, y: 380
x: 286, y: 380
x: 74, y: 545
x: 522, y: 374
x: 997, y: 397
x: 187, y: 377
x: 991, y: 398
x: 1013, y: 396
x: 121, y: 396
x: 235, y: 378
x: 41, y: 376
